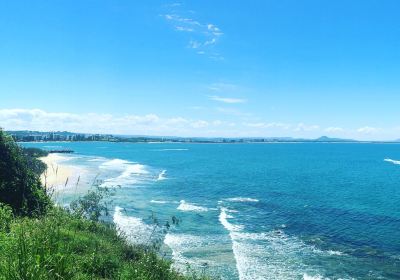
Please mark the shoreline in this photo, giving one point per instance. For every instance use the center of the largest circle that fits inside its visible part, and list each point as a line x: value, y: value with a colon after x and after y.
x: 56, y: 174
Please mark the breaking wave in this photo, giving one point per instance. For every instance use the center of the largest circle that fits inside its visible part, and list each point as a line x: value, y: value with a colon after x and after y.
x: 185, y: 206
x: 135, y: 230
x: 397, y: 162
x: 267, y: 255
x: 161, y: 176
x: 127, y: 173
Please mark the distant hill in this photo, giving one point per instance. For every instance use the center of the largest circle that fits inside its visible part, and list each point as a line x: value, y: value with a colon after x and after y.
x: 328, y: 139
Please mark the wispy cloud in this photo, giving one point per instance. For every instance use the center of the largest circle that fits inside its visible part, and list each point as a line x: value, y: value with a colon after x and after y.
x: 228, y: 100
x: 367, y: 130
x: 202, y: 36
x: 268, y: 125
x: 152, y: 124
x: 304, y: 127
x: 334, y: 129
x: 222, y: 87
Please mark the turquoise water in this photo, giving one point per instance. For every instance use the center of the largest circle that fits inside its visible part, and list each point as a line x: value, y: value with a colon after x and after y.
x: 256, y: 211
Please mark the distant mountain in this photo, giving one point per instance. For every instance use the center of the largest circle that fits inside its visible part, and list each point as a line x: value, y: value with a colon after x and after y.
x: 329, y: 139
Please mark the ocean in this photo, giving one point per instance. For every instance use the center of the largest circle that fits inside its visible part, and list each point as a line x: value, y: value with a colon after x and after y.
x: 253, y: 211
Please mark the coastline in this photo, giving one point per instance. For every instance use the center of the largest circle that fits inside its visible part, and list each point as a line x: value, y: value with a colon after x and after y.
x: 56, y: 174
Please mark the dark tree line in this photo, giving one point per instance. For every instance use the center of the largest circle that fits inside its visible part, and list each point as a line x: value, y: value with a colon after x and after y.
x: 20, y: 185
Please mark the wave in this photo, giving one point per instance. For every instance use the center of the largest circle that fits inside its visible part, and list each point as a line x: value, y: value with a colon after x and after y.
x: 181, y: 244
x: 184, y: 206
x: 267, y: 255
x: 223, y: 219
x: 197, y: 251
x: 161, y: 176
x: 135, y: 230
x: 334, y: 253
x: 159, y: 201
x: 242, y: 199
x: 97, y: 159
x: 129, y: 172
x: 397, y: 162
x: 132, y: 174
x: 114, y: 164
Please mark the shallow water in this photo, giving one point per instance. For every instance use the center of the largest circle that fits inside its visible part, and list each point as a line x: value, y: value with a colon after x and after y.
x: 256, y: 211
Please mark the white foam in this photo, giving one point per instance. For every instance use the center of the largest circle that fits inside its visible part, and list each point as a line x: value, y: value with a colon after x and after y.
x: 130, y: 172
x: 161, y: 176
x: 186, y: 247
x: 266, y: 255
x: 97, y: 159
x: 223, y: 219
x: 158, y: 201
x: 134, y: 169
x: 242, y: 199
x: 397, y: 162
x: 133, y: 228
x: 184, y: 206
x: 334, y: 253
x: 114, y: 164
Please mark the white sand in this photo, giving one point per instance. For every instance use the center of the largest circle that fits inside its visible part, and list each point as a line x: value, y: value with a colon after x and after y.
x: 57, y: 174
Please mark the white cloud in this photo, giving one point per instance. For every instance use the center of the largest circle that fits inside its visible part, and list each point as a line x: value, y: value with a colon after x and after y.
x: 222, y: 87
x: 199, y: 124
x: 182, y: 28
x: 203, y: 36
x: 304, y: 127
x: 152, y: 124
x: 334, y: 129
x: 235, y: 123
x: 228, y: 100
x: 210, y: 42
x: 367, y: 130
x: 194, y: 44
x: 268, y: 125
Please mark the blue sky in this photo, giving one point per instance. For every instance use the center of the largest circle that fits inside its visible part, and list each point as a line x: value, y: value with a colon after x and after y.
x: 202, y: 68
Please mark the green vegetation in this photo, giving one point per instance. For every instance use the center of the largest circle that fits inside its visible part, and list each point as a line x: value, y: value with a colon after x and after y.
x: 20, y: 186
x: 39, y: 240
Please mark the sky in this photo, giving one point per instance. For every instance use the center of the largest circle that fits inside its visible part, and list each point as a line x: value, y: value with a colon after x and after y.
x: 259, y: 68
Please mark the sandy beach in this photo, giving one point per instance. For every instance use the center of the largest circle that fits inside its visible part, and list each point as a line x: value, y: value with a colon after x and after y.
x: 57, y: 174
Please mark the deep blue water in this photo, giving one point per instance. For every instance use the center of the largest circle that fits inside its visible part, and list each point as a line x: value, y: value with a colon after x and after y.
x: 256, y: 211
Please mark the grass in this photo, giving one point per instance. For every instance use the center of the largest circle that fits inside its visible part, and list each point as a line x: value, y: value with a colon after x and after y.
x: 61, y: 245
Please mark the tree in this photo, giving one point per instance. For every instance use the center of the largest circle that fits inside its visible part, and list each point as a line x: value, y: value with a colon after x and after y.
x: 20, y: 186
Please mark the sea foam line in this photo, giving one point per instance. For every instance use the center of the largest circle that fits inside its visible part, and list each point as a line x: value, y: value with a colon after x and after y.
x: 182, y: 244
x: 129, y: 172
x: 397, y: 162
x: 185, y: 206
x: 135, y: 230
x: 161, y: 176
x: 267, y: 255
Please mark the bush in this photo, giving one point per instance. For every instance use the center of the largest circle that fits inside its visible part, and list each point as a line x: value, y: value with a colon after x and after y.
x: 20, y: 186
x: 31, y: 156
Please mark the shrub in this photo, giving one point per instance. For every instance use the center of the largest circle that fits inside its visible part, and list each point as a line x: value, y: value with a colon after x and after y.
x: 20, y: 186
